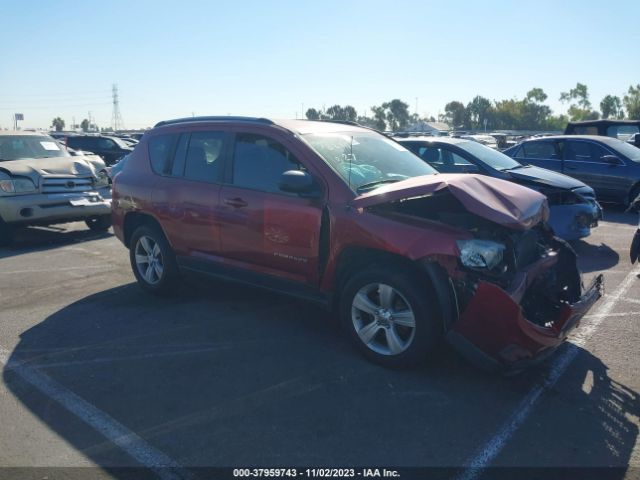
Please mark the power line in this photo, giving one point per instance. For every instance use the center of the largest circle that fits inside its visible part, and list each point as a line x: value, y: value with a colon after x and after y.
x: 56, y: 94
x: 41, y: 107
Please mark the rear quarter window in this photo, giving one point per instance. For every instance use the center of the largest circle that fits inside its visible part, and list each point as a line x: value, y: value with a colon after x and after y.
x: 538, y: 150
x: 160, y: 148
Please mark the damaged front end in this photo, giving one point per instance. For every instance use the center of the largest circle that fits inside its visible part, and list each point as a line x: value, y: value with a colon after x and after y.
x: 509, y: 322
x: 515, y: 291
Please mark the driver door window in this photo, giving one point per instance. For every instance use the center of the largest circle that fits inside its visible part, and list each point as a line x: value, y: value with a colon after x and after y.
x: 445, y: 161
x: 259, y: 162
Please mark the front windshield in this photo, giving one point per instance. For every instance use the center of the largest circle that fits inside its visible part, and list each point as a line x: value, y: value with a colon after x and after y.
x: 489, y: 156
x: 367, y: 160
x: 16, y: 147
x: 626, y: 149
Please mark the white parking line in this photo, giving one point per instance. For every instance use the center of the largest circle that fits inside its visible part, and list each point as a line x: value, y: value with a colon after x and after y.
x: 481, y: 460
x: 148, y: 456
x: 121, y: 358
x: 617, y: 314
x: 61, y: 269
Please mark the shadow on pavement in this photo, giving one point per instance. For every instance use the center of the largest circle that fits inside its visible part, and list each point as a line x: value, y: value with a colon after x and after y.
x: 595, y: 257
x: 33, y: 239
x: 616, y: 213
x: 220, y: 375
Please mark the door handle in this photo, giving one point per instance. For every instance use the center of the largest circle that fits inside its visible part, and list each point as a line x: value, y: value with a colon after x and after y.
x: 236, y: 202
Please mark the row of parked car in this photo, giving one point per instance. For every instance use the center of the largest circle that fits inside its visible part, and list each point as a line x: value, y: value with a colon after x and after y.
x: 408, y: 239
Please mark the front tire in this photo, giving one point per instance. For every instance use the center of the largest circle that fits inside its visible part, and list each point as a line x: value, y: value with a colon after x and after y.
x: 99, y: 223
x: 390, y: 316
x: 152, y: 260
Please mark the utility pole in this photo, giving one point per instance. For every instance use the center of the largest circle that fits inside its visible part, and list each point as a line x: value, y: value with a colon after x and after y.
x: 116, y: 119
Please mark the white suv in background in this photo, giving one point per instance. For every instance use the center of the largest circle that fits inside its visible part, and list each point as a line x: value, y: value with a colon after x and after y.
x: 42, y: 184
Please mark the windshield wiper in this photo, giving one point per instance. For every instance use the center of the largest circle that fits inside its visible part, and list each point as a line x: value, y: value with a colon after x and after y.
x: 515, y: 168
x: 371, y: 185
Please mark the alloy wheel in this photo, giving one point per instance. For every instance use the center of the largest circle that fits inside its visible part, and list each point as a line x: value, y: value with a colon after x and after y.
x: 383, y: 319
x: 148, y: 258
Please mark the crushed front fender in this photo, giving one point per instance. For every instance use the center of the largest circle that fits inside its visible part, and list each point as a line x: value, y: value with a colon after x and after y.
x: 494, y: 333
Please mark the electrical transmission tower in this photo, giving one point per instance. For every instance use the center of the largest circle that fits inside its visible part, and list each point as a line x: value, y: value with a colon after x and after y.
x: 116, y: 119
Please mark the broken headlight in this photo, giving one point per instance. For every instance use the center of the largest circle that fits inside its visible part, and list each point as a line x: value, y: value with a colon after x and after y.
x: 480, y: 253
x: 101, y: 180
x: 17, y: 185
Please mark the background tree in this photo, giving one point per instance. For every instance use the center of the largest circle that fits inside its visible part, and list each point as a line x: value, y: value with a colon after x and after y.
x: 337, y: 112
x: 581, y: 109
x: 455, y: 114
x: 478, y: 110
x: 611, y: 106
x: 534, y: 114
x: 84, y: 125
x: 379, y: 118
x: 396, y: 114
x: 632, y: 102
x: 58, y: 124
x: 312, y: 114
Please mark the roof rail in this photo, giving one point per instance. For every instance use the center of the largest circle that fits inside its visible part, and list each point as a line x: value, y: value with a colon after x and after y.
x: 344, y: 122
x: 220, y: 118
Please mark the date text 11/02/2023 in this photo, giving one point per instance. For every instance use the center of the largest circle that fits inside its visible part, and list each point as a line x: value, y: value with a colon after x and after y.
x: 316, y: 472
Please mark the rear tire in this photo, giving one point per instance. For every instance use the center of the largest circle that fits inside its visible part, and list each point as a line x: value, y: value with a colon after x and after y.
x: 152, y: 260
x: 390, y: 316
x: 6, y: 234
x: 100, y: 223
x: 633, y: 195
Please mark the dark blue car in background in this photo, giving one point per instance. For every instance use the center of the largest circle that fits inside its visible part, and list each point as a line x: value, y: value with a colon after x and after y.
x: 608, y: 165
x: 573, y: 206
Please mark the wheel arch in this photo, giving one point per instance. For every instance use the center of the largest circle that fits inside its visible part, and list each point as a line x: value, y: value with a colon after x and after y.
x: 133, y: 220
x: 435, y: 277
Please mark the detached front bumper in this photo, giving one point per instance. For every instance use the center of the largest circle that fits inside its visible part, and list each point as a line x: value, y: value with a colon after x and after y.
x: 494, y: 333
x: 55, y: 207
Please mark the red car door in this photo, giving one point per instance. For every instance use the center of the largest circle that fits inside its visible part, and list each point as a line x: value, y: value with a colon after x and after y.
x: 261, y: 227
x: 187, y: 196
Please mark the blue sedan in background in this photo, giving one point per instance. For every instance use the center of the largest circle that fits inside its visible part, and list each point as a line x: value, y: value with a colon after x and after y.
x: 609, y: 165
x: 573, y: 206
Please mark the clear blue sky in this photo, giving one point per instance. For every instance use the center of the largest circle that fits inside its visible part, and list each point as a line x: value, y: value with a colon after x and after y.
x: 267, y: 58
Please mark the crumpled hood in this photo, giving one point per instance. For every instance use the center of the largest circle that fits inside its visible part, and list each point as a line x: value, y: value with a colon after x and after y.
x: 34, y: 168
x: 544, y: 177
x: 499, y: 201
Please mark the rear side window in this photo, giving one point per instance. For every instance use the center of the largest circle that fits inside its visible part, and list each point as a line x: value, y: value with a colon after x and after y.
x: 159, y: 150
x: 579, y: 130
x: 259, y: 162
x: 445, y: 161
x: 584, y: 151
x: 205, y: 156
x: 107, y: 144
x: 82, y: 142
x: 622, y: 132
x: 538, y: 150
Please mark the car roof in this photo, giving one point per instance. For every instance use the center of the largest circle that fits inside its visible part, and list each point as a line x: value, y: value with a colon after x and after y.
x: 22, y: 133
x: 430, y: 139
x: 603, y: 121
x: 301, y: 127
x: 597, y: 138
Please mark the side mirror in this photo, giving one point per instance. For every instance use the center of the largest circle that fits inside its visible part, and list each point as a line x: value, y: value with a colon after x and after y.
x: 611, y: 160
x: 297, y: 181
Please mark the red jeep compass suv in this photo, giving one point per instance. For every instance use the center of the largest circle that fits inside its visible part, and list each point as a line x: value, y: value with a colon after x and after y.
x: 346, y: 217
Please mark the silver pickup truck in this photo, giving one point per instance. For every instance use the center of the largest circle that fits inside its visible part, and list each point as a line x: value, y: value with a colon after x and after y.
x: 42, y: 184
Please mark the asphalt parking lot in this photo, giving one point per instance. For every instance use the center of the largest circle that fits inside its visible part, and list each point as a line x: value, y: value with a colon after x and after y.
x: 97, y: 373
